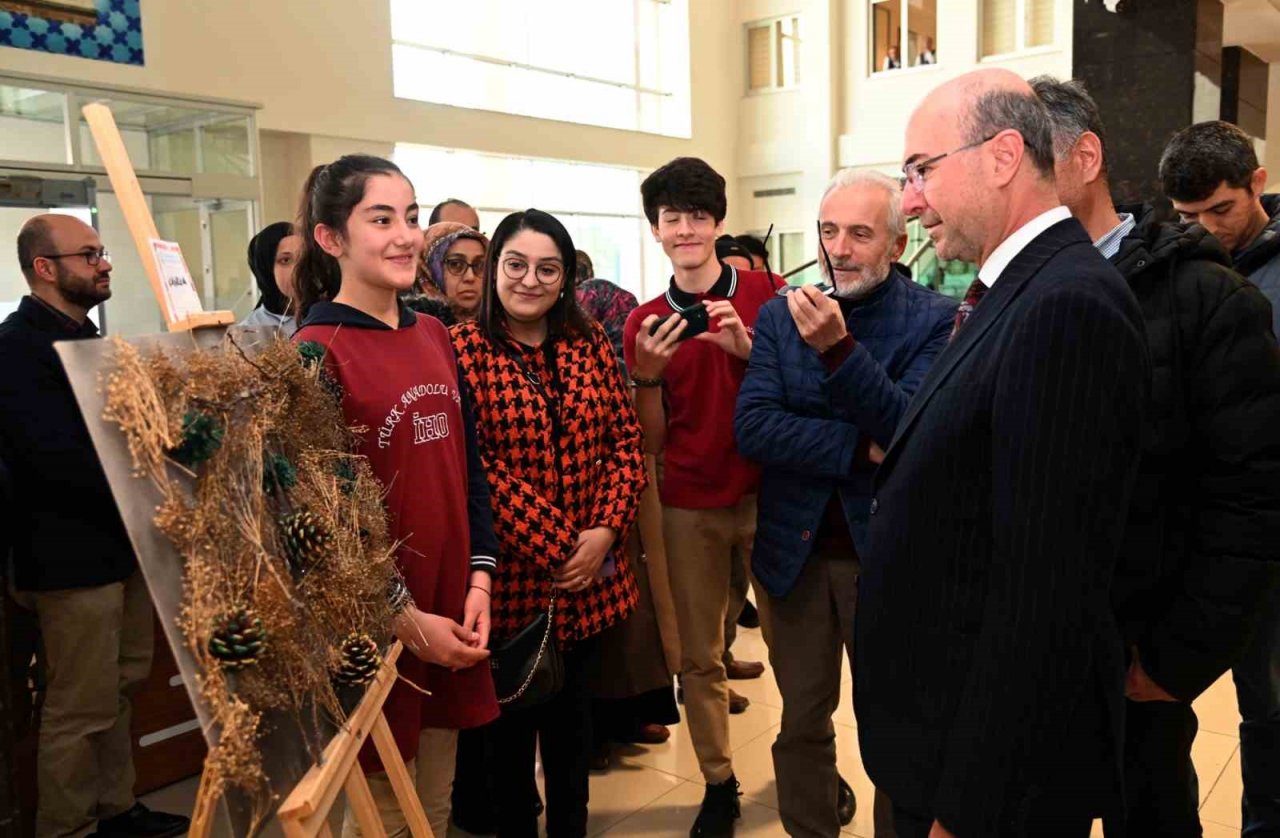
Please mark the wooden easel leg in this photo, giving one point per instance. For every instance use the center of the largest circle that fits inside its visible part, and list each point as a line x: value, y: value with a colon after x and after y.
x: 202, y: 815
x: 362, y: 804
x: 401, y: 783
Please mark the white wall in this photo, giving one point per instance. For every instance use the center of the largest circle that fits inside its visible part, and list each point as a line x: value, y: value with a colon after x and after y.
x: 875, y: 108
x: 323, y: 68
x: 787, y: 137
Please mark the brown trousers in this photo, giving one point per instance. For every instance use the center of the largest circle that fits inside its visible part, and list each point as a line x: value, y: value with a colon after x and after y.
x: 702, y: 547
x: 809, y: 630
x: 97, y: 645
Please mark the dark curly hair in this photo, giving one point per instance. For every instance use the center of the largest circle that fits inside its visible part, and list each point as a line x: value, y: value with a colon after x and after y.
x: 685, y: 184
x: 1202, y: 157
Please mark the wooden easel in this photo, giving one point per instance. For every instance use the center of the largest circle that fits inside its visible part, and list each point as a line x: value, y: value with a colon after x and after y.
x: 305, y: 811
x: 142, y: 227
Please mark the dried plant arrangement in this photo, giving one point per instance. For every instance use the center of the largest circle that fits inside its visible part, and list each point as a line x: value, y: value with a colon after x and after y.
x: 288, y: 568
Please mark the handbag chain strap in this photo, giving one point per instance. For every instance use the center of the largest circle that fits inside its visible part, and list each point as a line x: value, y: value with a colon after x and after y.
x: 542, y: 648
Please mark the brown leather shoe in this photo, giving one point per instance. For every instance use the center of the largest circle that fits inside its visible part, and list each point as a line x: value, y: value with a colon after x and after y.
x: 653, y: 734
x: 743, y: 670
x: 738, y: 703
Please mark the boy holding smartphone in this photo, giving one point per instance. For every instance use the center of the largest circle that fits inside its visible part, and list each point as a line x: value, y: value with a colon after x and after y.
x: 686, y: 390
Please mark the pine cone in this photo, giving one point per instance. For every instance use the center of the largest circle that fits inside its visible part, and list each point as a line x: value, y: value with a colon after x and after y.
x: 306, y: 540
x: 238, y: 639
x: 360, y: 660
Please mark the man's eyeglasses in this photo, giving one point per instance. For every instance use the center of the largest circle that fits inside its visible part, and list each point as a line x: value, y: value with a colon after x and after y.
x: 92, y: 257
x: 915, y: 172
x: 547, y: 273
x: 457, y: 265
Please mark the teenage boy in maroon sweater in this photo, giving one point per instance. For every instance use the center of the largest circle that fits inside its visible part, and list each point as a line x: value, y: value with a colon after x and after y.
x: 686, y: 390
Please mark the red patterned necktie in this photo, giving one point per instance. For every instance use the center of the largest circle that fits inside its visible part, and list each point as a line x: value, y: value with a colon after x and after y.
x: 971, y: 299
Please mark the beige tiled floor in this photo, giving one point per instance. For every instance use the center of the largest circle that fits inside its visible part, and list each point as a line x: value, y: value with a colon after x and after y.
x: 655, y: 791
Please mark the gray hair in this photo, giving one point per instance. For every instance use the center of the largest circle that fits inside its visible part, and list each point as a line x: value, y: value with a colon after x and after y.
x: 1072, y: 112
x: 848, y: 178
x: 993, y: 111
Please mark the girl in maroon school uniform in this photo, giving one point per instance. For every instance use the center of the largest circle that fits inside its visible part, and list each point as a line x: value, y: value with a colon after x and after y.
x: 399, y: 379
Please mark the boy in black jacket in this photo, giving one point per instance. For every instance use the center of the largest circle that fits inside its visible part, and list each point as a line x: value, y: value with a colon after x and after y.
x: 1199, y: 563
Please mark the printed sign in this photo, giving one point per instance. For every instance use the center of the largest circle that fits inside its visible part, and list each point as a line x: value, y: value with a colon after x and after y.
x: 179, y: 290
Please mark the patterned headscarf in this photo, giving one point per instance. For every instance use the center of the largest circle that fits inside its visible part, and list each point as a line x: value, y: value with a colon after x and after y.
x: 609, y: 305
x: 437, y: 239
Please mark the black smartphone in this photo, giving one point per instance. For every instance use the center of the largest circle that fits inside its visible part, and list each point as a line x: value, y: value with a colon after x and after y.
x: 697, y: 317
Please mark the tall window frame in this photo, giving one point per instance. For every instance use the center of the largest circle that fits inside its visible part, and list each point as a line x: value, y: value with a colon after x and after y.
x: 773, y: 54
x: 598, y: 203
x: 912, y: 42
x: 620, y: 64
x: 1033, y: 22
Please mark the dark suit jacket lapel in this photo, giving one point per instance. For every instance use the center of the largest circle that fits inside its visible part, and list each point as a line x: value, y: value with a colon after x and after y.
x: 1007, y: 288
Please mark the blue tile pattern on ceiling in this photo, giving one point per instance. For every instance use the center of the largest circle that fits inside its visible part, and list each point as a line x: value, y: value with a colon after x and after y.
x: 116, y: 37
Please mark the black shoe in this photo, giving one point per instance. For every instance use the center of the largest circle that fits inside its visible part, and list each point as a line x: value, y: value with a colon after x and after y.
x: 750, y: 617
x: 720, y: 808
x: 599, y: 759
x: 846, y: 803
x: 141, y: 822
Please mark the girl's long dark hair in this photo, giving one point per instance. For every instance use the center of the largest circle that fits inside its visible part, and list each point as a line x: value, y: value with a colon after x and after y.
x: 330, y: 194
x: 565, y: 317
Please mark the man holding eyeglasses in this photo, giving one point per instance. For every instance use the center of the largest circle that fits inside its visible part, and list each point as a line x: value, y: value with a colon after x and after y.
x: 988, y: 665
x: 829, y: 377
x: 72, y: 561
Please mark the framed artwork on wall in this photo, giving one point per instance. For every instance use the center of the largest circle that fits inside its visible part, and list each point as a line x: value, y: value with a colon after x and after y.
x: 102, y: 30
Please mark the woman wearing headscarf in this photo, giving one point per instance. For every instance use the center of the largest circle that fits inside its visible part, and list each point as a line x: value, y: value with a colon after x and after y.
x: 451, y: 273
x: 272, y: 254
x: 631, y: 682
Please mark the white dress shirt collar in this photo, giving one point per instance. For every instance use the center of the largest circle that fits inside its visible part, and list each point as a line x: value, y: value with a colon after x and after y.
x: 1017, y: 241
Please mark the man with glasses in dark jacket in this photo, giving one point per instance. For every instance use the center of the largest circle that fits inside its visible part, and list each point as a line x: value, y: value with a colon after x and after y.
x: 1199, y: 563
x: 829, y: 377
x: 72, y: 561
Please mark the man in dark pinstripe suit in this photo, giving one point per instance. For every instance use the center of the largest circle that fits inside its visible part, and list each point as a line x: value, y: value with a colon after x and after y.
x: 989, y: 668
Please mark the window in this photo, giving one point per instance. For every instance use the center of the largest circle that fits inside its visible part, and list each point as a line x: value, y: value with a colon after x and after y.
x: 1015, y: 25
x: 773, y: 54
x: 599, y: 205
x: 895, y: 23
x: 618, y: 64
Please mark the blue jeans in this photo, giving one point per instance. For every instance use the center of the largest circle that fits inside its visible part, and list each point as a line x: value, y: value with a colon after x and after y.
x: 1257, y: 677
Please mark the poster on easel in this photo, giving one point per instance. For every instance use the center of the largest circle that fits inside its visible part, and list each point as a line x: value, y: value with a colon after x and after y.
x: 181, y: 296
